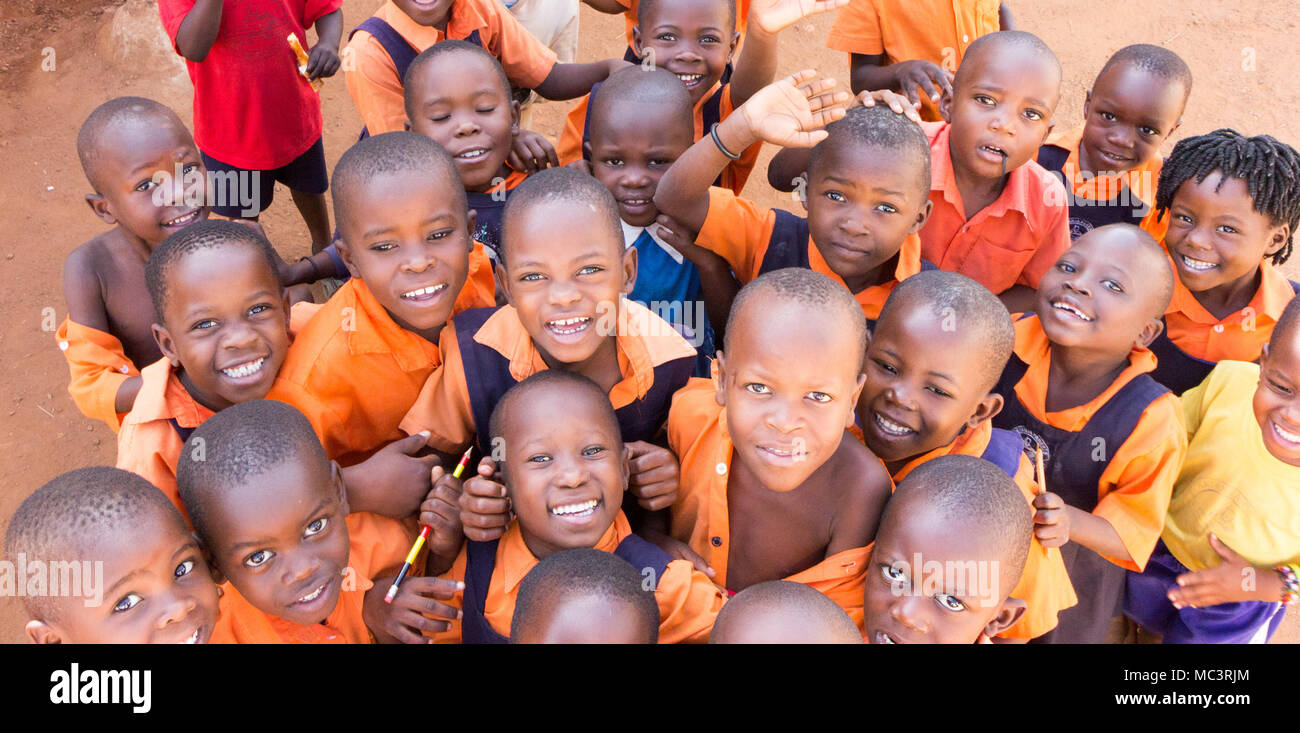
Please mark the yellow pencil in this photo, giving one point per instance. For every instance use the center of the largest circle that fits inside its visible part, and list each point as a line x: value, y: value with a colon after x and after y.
x: 424, y: 535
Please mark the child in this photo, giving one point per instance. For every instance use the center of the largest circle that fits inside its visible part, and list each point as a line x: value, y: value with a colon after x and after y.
x: 161, y: 589
x: 951, y: 545
x: 630, y: 9
x: 131, y: 150
x: 695, y: 39
x: 256, y: 118
x: 912, y: 46
x: 383, y: 46
x: 639, y: 124
x: 1233, y: 205
x: 357, y: 366
x: 1232, y: 515
x: 781, y: 612
x: 584, y: 597
x: 457, y: 94
x: 565, y: 467
x: 271, y: 510
x: 1110, y: 163
x: 919, y: 403
x: 866, y: 190
x: 222, y: 324
x: 1112, y: 439
x: 564, y: 272
x: 770, y: 487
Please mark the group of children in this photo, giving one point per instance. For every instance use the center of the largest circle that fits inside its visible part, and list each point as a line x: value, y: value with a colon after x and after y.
x: 998, y: 385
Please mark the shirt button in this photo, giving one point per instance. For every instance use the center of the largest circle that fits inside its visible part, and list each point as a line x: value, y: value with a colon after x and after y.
x: 63, y: 345
x: 1218, y: 328
x: 717, y: 541
x: 965, y: 39
x: 721, y: 468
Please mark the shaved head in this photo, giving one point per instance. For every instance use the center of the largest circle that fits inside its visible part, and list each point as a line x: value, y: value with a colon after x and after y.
x: 1000, y: 43
x: 783, y: 612
x: 98, y: 132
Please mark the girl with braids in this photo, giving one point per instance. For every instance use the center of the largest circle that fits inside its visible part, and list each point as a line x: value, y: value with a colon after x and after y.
x: 1232, y: 203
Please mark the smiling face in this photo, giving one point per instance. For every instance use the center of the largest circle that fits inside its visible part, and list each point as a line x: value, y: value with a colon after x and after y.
x: 1001, y: 108
x: 157, y: 588
x: 407, y: 235
x: 1102, y: 293
x: 565, y: 270
x: 1128, y: 115
x: 916, y: 397
x: 693, y: 39
x: 281, y: 541
x: 1216, y: 238
x: 226, y: 322
x: 789, y: 380
x: 863, y: 202
x: 426, y: 12
x: 565, y: 468
x: 462, y: 104
x: 131, y: 155
x: 630, y: 150
x: 1277, y: 398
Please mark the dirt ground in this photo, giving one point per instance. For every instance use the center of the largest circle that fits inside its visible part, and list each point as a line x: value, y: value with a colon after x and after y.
x: 59, y: 60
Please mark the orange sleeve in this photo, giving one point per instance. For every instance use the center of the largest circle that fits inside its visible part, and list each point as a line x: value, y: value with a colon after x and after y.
x: 1140, y: 479
x: 1044, y: 585
x: 327, y: 414
x: 526, y: 60
x: 857, y: 30
x: 688, y: 604
x: 301, y: 314
x: 480, y: 288
x: 379, y: 543
x: 143, y: 449
x: 569, y: 148
x: 738, y: 231
x: 443, y: 405
x: 1155, y: 226
x: 372, y: 82
x: 1055, y: 239
x: 98, y: 366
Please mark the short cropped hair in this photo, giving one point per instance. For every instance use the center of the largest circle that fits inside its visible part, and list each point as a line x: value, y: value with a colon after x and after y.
x: 579, y: 573
x: 991, y: 42
x: 880, y: 128
x: 114, y: 112
x: 804, y: 287
x: 424, y: 62
x: 386, y: 154
x: 787, y: 598
x: 550, y: 379
x: 1154, y: 60
x: 655, y: 87
x: 560, y: 187
x: 199, y: 236
x: 644, y: 8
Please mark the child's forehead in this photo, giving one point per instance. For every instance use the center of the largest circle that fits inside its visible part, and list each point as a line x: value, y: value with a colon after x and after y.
x: 1017, y: 68
x: 274, y: 501
x: 456, y: 72
x: 658, y: 124
x: 137, y: 143
x: 552, y: 409
x: 689, y: 14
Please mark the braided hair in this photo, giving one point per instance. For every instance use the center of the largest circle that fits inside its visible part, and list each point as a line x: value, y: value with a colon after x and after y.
x: 1269, y: 167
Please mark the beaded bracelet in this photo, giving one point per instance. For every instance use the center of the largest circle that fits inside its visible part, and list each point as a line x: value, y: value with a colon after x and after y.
x: 1290, y: 574
x: 713, y: 130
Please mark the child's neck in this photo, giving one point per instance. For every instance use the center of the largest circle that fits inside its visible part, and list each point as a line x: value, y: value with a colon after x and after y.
x: 1226, y: 299
x: 601, y: 367
x: 213, y: 404
x: 880, y: 275
x: 503, y: 174
x: 1076, y: 375
x: 133, y: 244
x: 428, y: 334
x: 976, y: 192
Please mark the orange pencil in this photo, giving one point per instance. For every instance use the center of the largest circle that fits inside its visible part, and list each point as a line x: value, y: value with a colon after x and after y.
x: 424, y: 535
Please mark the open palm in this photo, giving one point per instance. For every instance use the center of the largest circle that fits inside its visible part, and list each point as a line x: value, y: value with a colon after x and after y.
x: 774, y: 15
x: 791, y: 112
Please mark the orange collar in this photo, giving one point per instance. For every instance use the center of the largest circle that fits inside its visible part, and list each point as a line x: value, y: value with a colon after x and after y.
x: 375, y: 332
x: 1270, y: 300
x: 1018, y: 194
x: 514, y: 559
x: 971, y: 442
x: 1087, y: 184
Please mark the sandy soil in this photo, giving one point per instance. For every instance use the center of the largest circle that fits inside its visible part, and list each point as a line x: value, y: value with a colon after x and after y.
x: 1240, y: 55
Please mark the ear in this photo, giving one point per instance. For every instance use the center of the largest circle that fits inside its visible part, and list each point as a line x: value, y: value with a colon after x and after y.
x: 625, y: 464
x: 987, y: 409
x: 922, y: 217
x: 514, y: 120
x: 1051, y: 124
x: 629, y: 270
x: 345, y: 254
x: 720, y: 379
x: 218, y: 577
x: 1278, y: 239
x: 945, y: 106
x: 735, y: 41
x: 100, y: 207
x: 586, y: 150
x: 42, y: 633
x: 1011, y: 611
x: 336, y: 480
x: 406, y: 124
x: 857, y: 393
x: 1174, y: 129
x: 636, y: 41
x: 1263, y: 355
x: 503, y: 281
x: 801, y: 185
x: 471, y: 223
x: 166, y: 345
x: 287, y: 306
x: 1149, y: 332
x: 1087, y: 102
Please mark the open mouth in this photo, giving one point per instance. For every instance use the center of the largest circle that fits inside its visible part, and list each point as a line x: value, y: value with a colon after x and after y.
x: 1196, y: 265
x: 783, y: 454
x: 182, y: 220
x: 247, y: 369
x: 635, y: 203
x: 1073, y: 310
x: 472, y: 155
x: 992, y: 152
x: 421, y: 295
x: 891, y: 427
x: 569, y: 326
x: 1285, y: 436
x: 691, y: 80
x: 882, y: 638
x: 192, y: 638
x: 313, y: 596
x: 580, y: 509
x: 1114, y: 159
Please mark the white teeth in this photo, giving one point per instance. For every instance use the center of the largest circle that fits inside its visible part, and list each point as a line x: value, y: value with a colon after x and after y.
x: 566, y: 326
x: 182, y: 220
x: 993, y: 149
x: 1285, y: 434
x: 193, y: 639
x: 423, y: 291
x: 472, y: 154
x: 891, y: 427
x: 690, y: 78
x: 1071, y: 310
x: 883, y: 638
x: 585, y: 507
x: 243, y: 370
x: 635, y: 202
x: 312, y: 596
x: 1199, y: 265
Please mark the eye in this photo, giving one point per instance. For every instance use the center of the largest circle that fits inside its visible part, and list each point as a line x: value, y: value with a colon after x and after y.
x: 1065, y: 267
x: 892, y: 574
x: 950, y: 602
x: 316, y: 527
x: 128, y: 602
x: 259, y: 308
x: 487, y: 110
x: 591, y: 270
x: 1106, y: 116
x: 710, y: 39
x: 938, y: 391
x: 1183, y: 218
x: 1113, y: 286
x: 539, y: 458
x: 1034, y: 115
x: 836, y: 196
x: 1279, y: 388
x: 1226, y: 229
x: 259, y: 558
x: 442, y: 118
x: 661, y: 162
x: 818, y: 397
x: 985, y: 99
x: 888, y: 368
x: 1149, y: 131
x: 440, y: 234
x: 382, y: 246
x: 145, y: 185
x: 204, y: 325
x: 593, y: 450
x: 613, y: 162
x: 190, y: 167
x: 887, y: 208
x: 530, y: 277
x: 666, y: 37
x: 183, y: 569
x: 756, y: 388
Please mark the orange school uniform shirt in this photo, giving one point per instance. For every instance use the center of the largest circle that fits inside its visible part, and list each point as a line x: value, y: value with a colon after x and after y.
x: 1012, y: 241
x: 937, y: 31
x: 644, y: 341
x: 1134, y: 490
x: 98, y: 366
x: 740, y: 232
x: 1239, y: 336
x: 688, y: 601
x: 733, y: 176
x: 1140, y: 182
x: 1044, y: 585
x: 354, y: 372
x: 372, y: 77
x: 376, y: 545
x: 149, y: 444
x: 697, y: 433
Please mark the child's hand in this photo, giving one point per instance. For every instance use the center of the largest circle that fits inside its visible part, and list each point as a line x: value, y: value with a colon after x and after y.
x: 678, y: 550
x: 394, y: 480
x: 677, y: 235
x: 790, y: 112
x: 403, y: 620
x: 484, y: 504
x: 1051, y: 522
x: 532, y: 152
x: 933, y: 78
x: 441, y: 513
x: 772, y: 16
x: 322, y: 61
x: 1212, y: 586
x: 653, y: 480
x: 895, y: 101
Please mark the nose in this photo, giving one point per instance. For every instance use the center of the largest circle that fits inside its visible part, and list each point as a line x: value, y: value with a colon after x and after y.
x: 635, y: 177
x: 238, y: 335
x: 176, y: 609
x: 465, y: 126
x: 907, y: 610
x: 852, y: 224
x: 781, y: 416
x: 300, y: 567
x: 562, y: 293
x: 570, y: 473
x: 419, y: 258
x: 1077, y: 283
x: 898, y: 394
x: 687, y: 52
x: 999, y: 121
x: 1120, y: 136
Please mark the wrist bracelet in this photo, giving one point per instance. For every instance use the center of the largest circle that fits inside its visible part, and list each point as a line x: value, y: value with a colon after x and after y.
x: 713, y: 130
x: 1290, y: 574
x: 315, y: 271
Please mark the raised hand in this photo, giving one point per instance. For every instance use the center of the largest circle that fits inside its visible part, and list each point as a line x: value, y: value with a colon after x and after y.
x: 771, y: 16
x: 791, y: 112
